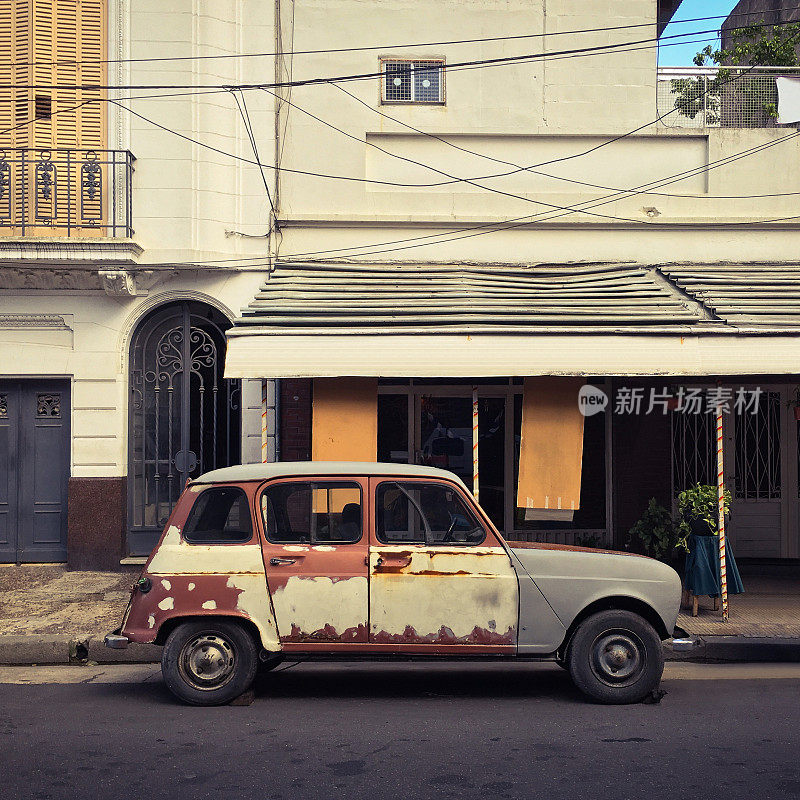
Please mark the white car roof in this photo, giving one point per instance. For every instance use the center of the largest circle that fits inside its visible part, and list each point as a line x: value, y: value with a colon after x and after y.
x: 291, y: 469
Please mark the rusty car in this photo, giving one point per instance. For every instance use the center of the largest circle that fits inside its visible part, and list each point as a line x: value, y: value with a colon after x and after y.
x: 350, y: 560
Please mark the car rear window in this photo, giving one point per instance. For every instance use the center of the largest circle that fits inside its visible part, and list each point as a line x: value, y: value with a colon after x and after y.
x: 220, y: 515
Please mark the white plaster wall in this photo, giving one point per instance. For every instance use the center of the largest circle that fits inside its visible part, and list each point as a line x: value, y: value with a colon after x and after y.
x: 191, y: 203
x: 524, y: 114
x: 95, y: 357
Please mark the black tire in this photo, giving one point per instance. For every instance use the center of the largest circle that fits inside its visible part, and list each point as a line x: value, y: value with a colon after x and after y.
x: 616, y: 657
x: 209, y: 663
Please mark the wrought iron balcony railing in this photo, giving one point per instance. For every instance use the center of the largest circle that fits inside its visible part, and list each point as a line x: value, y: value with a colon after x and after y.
x: 724, y: 97
x: 62, y: 192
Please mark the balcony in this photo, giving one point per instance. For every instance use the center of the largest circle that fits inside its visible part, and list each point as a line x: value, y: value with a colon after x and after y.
x: 731, y: 97
x: 66, y: 193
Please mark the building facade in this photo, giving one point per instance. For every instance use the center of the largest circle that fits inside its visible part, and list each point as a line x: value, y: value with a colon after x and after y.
x: 447, y: 227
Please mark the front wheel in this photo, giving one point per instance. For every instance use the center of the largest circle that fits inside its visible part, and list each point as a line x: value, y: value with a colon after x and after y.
x: 616, y: 657
x: 209, y: 663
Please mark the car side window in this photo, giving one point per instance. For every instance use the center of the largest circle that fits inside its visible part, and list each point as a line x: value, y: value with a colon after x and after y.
x: 425, y: 513
x: 314, y: 512
x: 220, y: 515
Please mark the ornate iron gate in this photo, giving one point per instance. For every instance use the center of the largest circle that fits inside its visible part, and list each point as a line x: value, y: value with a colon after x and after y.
x: 184, y: 417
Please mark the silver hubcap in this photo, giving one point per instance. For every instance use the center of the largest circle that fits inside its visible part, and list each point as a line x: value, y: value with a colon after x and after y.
x: 207, y: 661
x: 617, y: 657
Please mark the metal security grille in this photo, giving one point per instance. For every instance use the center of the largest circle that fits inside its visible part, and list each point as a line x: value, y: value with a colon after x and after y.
x: 757, y: 440
x: 737, y: 97
x: 406, y: 81
x: 693, y: 450
x: 184, y: 416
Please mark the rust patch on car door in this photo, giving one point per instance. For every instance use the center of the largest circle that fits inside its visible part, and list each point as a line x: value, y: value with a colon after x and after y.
x: 442, y: 595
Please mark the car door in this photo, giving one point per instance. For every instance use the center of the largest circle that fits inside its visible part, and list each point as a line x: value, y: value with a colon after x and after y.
x: 315, y: 554
x: 439, y: 579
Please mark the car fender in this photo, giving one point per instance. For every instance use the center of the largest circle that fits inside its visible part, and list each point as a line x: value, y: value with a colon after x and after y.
x: 190, y: 580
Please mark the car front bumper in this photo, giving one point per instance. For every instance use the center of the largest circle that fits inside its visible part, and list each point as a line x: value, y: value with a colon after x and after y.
x: 681, y: 642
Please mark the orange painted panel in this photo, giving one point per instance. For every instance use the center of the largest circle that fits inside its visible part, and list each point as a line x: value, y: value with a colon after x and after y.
x: 551, y: 450
x: 344, y: 423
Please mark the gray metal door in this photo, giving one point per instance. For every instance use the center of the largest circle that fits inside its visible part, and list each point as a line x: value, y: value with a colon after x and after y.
x: 34, y: 470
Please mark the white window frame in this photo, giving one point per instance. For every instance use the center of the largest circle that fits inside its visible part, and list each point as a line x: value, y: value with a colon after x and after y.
x: 438, y: 60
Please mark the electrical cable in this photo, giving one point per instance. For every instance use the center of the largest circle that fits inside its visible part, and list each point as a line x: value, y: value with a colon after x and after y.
x: 479, y: 63
x: 251, y: 136
x: 395, y: 183
x: 156, y: 59
x: 526, y: 220
x: 521, y: 168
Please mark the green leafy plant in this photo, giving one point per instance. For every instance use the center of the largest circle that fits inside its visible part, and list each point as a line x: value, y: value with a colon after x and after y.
x: 700, y: 502
x: 655, y: 533
x: 754, y: 46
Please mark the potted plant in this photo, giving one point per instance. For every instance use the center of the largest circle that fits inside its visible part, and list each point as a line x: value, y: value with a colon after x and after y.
x: 698, y: 529
x: 655, y: 534
x: 698, y: 507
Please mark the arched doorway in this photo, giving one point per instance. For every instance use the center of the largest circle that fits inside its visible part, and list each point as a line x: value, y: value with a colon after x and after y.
x: 184, y: 418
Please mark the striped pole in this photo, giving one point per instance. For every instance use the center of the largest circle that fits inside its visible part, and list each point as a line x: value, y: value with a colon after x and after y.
x: 263, y: 421
x: 723, y: 572
x: 475, y: 442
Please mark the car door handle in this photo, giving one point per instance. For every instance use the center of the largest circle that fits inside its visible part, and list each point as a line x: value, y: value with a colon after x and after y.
x: 280, y: 562
x: 392, y: 561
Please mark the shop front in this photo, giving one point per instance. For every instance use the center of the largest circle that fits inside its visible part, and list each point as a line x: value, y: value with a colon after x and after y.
x: 567, y: 382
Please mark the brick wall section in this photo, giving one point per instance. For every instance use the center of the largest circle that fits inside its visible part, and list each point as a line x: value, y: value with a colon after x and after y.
x: 642, y: 465
x: 295, y: 421
x: 96, y: 523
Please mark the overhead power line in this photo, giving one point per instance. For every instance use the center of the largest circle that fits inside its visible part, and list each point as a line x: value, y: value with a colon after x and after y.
x: 563, y: 179
x: 524, y: 221
x: 359, y: 179
x: 485, y: 62
x: 184, y: 90
x: 386, y: 47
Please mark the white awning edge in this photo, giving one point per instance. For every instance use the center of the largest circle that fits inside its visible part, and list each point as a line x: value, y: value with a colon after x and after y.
x: 488, y: 356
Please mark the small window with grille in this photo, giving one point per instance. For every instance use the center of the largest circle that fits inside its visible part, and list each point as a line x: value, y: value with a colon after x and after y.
x: 409, y: 81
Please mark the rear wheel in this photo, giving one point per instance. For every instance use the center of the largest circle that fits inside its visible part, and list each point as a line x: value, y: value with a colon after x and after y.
x: 209, y: 663
x: 616, y: 657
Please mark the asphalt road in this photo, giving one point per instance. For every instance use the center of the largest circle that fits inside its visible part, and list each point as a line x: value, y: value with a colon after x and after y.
x: 400, y: 731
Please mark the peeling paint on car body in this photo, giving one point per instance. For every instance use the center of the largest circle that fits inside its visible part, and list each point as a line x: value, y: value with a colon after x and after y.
x: 321, y: 609
x: 413, y: 595
x: 187, y: 577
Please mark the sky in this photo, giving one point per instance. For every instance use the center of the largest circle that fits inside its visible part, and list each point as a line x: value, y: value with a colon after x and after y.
x: 680, y: 55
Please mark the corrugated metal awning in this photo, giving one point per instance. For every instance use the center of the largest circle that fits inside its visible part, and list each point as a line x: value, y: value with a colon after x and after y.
x: 390, y: 320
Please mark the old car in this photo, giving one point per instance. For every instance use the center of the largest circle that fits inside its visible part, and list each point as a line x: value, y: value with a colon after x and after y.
x: 341, y: 560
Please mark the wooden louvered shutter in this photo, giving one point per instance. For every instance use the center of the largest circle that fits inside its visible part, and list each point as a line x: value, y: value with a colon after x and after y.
x: 45, y: 39
x: 7, y: 55
x: 91, y: 47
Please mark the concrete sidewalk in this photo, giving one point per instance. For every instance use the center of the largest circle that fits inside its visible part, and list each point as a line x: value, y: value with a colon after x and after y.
x: 51, y: 616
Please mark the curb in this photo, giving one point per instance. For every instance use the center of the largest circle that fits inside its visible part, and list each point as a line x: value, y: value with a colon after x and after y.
x: 81, y: 649
x: 71, y: 649
x: 741, y: 649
